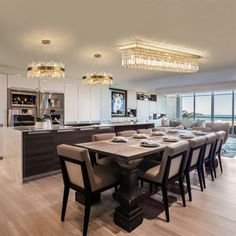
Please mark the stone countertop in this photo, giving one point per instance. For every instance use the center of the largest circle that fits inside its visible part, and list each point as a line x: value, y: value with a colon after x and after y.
x: 65, y: 127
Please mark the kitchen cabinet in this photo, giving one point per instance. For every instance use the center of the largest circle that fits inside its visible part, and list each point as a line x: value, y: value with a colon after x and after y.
x: 71, y: 102
x: 84, y: 103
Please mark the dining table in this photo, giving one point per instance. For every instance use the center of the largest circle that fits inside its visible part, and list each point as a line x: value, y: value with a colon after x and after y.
x: 128, y: 155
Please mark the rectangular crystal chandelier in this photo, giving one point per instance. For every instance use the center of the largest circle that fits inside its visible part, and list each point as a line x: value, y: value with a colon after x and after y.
x: 144, y: 56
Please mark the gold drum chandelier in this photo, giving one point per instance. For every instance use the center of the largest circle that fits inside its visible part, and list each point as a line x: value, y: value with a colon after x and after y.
x: 148, y: 57
x: 100, y: 78
x: 46, y: 69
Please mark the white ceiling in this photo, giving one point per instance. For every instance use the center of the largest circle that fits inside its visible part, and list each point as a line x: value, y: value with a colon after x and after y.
x: 78, y: 29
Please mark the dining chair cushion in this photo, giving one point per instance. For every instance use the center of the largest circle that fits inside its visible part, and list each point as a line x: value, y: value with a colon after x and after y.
x: 105, y: 176
x: 144, y: 131
x: 101, y: 137
x: 193, y: 143
x: 74, y: 170
x: 127, y: 133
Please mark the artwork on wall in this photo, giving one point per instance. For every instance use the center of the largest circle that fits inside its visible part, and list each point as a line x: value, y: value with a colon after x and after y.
x: 118, y: 102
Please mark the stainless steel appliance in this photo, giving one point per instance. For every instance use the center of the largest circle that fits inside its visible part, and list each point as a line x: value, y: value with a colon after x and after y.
x: 25, y: 105
x: 52, y: 104
x: 21, y: 117
x: 19, y: 99
x: 22, y: 107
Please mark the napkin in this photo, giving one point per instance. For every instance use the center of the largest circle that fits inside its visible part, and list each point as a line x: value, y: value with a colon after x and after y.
x: 119, y: 139
x: 148, y: 143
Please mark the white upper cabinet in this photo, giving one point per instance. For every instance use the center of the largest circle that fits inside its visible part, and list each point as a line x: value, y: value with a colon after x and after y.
x: 84, y: 103
x: 22, y: 83
x: 3, y: 99
x: 52, y: 85
x: 152, y: 107
x: 106, y: 104
x: 132, y: 100
x: 142, y: 110
x: 96, y: 98
x: 71, y: 102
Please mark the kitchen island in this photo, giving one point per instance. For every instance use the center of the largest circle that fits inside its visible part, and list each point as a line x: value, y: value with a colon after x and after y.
x: 30, y: 153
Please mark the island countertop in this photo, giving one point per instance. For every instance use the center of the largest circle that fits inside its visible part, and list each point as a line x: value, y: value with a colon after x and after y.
x: 82, y: 127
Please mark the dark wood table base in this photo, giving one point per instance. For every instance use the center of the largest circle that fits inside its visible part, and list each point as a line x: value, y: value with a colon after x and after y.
x: 129, y: 215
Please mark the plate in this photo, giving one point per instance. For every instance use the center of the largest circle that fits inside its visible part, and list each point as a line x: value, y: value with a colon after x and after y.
x: 199, y: 132
x: 172, y: 131
x: 156, y: 133
x: 166, y: 139
x: 151, y: 144
x: 140, y: 136
x: 185, y: 136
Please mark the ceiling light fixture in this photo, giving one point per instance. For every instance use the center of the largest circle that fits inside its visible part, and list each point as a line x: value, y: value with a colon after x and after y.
x: 46, y: 69
x: 101, y: 78
x: 148, y: 57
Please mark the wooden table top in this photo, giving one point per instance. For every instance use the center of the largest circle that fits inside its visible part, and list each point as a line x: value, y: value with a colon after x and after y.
x: 129, y: 150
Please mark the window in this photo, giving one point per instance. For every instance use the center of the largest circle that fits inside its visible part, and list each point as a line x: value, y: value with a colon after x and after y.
x: 188, y: 106
x: 223, y: 106
x: 203, y: 106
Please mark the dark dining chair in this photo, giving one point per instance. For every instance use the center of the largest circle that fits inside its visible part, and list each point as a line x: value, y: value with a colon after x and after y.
x: 103, y: 160
x: 194, y: 161
x: 219, y: 142
x: 208, y: 156
x: 79, y: 175
x: 170, y: 169
x: 127, y: 133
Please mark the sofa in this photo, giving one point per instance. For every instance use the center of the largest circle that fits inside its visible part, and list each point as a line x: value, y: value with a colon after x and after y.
x: 215, y: 127
x: 198, y: 125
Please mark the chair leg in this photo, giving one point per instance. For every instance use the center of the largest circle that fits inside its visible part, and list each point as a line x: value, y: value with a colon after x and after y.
x: 181, y: 187
x: 219, y: 157
x: 150, y: 188
x: 203, y: 176
x: 141, y: 183
x: 64, y: 203
x: 200, y: 179
x: 214, y: 167
x: 189, y: 187
x: 86, y: 217
x: 211, y: 170
x: 165, y: 201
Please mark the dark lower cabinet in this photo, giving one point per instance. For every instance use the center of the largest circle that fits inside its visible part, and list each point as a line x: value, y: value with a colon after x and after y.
x: 39, y: 148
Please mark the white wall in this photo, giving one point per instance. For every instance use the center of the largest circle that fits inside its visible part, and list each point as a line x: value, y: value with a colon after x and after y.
x: 3, y: 108
x: 82, y: 103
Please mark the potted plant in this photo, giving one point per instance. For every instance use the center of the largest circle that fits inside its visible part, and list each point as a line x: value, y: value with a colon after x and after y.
x: 43, y: 122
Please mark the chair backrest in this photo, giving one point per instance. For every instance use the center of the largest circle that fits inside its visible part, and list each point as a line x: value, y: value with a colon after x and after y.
x: 173, y: 161
x: 127, y: 133
x: 76, y: 167
x: 210, y: 145
x: 220, y: 140
x: 220, y: 127
x: 102, y: 137
x: 196, y: 148
x: 144, y: 131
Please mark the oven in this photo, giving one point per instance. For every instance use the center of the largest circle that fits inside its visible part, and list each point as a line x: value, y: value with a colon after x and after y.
x: 21, y: 117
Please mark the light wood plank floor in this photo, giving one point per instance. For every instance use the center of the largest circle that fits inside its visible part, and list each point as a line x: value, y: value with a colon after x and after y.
x: 34, y: 209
